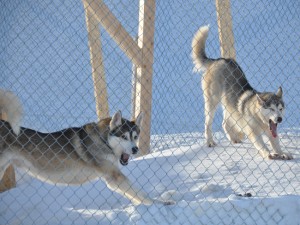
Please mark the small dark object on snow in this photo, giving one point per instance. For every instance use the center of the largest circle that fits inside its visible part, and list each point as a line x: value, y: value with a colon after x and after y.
x: 245, y: 195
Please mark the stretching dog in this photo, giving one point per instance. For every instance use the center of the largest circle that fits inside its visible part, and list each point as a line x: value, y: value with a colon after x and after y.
x: 246, y: 111
x: 74, y: 155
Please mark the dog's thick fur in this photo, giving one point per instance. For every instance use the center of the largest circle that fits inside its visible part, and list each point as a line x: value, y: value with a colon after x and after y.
x: 74, y: 155
x: 246, y: 111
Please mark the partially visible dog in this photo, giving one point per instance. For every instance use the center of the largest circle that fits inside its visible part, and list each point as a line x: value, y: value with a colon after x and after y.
x: 246, y: 111
x: 72, y: 156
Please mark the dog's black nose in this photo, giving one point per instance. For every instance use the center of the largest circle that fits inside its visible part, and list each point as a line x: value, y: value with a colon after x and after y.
x: 135, y: 150
x: 279, y: 119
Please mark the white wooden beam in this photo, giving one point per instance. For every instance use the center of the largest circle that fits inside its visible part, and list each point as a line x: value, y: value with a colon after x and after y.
x: 115, y: 29
x: 225, y: 29
x: 98, y: 72
x: 144, y: 72
x: 133, y: 93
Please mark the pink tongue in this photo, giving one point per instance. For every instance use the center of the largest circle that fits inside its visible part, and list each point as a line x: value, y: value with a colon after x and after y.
x: 273, y: 128
x: 125, y: 157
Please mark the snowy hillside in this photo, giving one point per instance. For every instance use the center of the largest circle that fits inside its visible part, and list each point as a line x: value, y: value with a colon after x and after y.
x: 204, y: 182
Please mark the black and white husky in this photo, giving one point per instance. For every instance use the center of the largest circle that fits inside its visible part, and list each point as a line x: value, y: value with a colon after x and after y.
x: 246, y: 111
x: 72, y: 156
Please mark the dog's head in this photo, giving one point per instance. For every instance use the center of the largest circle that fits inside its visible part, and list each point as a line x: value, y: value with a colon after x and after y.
x: 123, y: 136
x: 272, y: 109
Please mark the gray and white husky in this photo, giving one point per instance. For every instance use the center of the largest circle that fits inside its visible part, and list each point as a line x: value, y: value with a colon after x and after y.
x: 72, y: 156
x: 246, y: 111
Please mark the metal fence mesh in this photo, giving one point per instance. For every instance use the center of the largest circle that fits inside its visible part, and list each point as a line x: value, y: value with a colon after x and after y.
x: 45, y: 60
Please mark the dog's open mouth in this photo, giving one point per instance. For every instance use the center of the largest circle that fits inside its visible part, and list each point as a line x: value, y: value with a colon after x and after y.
x: 273, y: 128
x: 124, y: 159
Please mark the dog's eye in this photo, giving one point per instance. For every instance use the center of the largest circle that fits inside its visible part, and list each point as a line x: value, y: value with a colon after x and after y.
x: 124, y: 137
x: 281, y: 109
x: 135, y: 137
x: 273, y: 110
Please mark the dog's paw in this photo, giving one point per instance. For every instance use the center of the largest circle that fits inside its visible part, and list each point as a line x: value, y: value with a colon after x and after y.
x: 286, y: 156
x: 211, y: 144
x: 274, y: 156
x: 282, y: 156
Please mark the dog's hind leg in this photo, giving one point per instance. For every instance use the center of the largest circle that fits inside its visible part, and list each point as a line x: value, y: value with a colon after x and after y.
x: 211, y: 101
x: 209, y: 116
x: 230, y: 126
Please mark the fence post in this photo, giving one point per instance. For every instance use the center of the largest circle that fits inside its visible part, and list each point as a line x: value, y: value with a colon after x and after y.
x: 225, y: 29
x: 143, y: 100
x: 98, y: 71
x: 9, y: 178
x: 133, y: 93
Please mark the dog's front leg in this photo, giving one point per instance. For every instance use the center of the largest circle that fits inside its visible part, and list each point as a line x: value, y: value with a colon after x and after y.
x: 117, y: 181
x: 258, y: 143
x: 278, y: 153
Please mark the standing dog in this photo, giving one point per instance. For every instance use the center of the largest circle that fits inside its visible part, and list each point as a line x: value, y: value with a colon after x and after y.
x: 74, y: 155
x: 246, y: 111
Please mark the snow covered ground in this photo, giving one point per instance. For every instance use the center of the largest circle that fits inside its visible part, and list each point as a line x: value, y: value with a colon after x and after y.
x: 204, y: 182
x: 44, y: 59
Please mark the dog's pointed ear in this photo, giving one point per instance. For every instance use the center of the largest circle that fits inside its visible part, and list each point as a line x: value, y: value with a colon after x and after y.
x: 259, y: 99
x: 116, y: 120
x: 279, y: 92
x: 139, y: 119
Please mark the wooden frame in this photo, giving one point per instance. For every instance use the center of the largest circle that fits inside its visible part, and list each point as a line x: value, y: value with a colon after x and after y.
x: 140, y: 53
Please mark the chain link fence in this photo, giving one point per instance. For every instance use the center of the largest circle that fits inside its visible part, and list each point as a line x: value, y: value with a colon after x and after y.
x: 45, y: 60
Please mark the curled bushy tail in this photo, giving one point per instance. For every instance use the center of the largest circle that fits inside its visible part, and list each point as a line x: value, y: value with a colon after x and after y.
x: 11, y: 107
x: 200, y: 59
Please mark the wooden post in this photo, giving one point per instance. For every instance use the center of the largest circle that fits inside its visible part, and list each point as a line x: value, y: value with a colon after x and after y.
x: 144, y: 72
x: 98, y: 71
x: 133, y: 93
x: 225, y: 29
x: 9, y: 178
